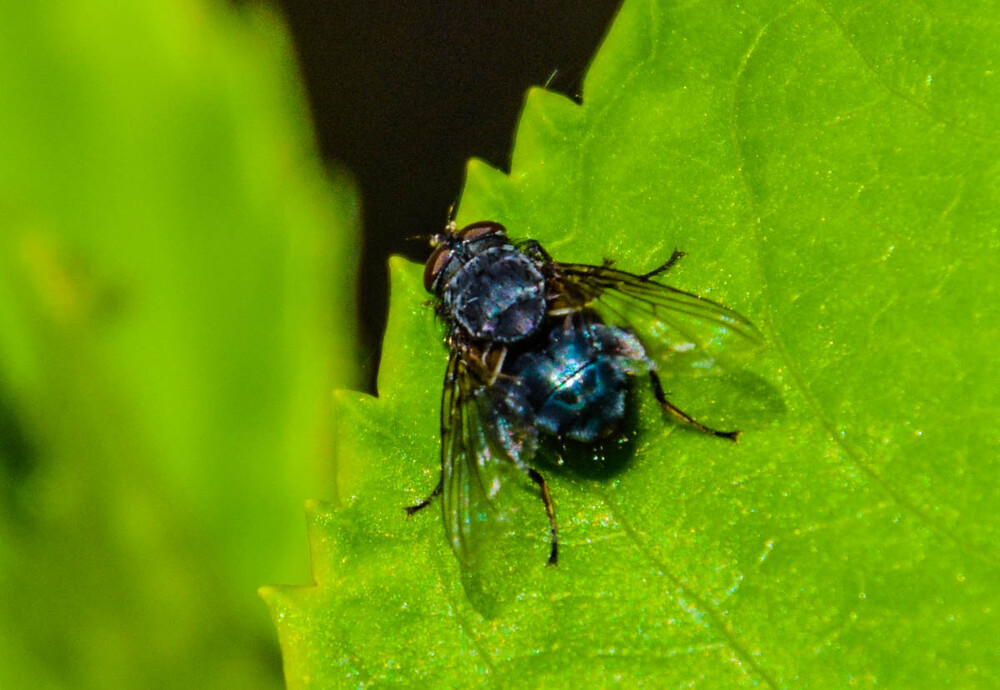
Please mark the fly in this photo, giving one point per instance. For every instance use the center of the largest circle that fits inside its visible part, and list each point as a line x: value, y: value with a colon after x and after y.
x: 540, y: 349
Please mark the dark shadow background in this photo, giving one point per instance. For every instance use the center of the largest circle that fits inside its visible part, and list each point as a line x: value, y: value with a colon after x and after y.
x: 403, y: 92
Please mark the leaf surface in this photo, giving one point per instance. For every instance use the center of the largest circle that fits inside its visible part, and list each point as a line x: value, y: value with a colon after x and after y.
x: 833, y: 172
x: 170, y: 247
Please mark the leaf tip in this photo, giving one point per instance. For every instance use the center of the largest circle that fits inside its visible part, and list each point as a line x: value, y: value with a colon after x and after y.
x: 484, y: 187
x: 399, y: 264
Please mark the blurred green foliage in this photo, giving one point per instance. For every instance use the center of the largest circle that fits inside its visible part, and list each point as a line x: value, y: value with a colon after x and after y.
x: 176, y: 274
x: 833, y: 171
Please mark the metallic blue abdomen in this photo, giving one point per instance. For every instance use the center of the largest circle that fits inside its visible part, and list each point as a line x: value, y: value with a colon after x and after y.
x: 576, y: 384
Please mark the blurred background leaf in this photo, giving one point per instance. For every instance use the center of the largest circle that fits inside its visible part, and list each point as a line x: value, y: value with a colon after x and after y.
x: 831, y: 170
x: 176, y: 282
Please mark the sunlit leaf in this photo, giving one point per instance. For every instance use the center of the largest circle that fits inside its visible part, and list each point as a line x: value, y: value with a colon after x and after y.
x: 832, y: 172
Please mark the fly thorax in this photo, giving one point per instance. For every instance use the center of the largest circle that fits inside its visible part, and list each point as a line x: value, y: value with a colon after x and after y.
x: 498, y: 294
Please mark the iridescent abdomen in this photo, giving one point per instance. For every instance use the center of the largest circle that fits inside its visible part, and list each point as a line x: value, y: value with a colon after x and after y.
x: 576, y: 385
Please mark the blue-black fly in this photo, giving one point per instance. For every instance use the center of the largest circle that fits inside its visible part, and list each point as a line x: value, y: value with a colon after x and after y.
x: 540, y: 348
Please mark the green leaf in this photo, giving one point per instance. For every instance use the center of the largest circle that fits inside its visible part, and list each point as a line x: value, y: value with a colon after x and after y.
x: 175, y: 280
x: 832, y: 171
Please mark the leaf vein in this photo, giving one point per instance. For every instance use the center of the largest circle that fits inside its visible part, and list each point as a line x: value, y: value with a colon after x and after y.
x: 713, y: 616
x: 895, y: 91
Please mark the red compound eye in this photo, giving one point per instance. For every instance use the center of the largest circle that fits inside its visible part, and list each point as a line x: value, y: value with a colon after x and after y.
x: 473, y: 232
x: 438, y: 258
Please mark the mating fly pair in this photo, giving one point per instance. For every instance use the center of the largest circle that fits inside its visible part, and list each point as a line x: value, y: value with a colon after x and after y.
x: 539, y: 349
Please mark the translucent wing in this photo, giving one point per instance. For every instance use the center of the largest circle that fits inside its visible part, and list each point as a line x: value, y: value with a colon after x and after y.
x: 475, y: 465
x: 670, y: 322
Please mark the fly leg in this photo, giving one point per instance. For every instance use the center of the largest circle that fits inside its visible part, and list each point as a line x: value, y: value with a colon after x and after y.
x: 661, y: 398
x: 536, y: 251
x: 410, y: 510
x: 549, y: 510
x: 666, y: 266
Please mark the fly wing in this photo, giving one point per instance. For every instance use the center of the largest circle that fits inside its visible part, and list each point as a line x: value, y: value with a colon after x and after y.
x: 476, y: 465
x: 671, y: 323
